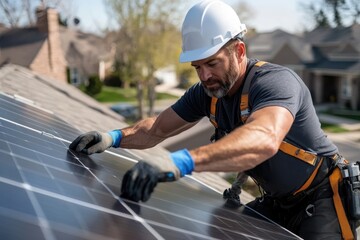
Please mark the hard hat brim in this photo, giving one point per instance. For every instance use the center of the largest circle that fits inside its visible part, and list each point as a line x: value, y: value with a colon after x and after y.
x: 201, y: 53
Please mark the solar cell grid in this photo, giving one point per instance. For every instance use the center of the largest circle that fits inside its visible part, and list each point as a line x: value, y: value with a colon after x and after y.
x: 51, y: 193
x: 33, y: 117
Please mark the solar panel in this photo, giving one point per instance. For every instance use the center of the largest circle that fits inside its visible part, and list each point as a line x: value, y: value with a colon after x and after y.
x: 49, y: 192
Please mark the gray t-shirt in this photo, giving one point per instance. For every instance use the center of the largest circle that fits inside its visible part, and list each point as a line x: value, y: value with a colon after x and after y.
x: 272, y: 85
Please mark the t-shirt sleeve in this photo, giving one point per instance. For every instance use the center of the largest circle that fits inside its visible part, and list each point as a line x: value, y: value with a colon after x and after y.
x: 276, y: 88
x: 193, y: 105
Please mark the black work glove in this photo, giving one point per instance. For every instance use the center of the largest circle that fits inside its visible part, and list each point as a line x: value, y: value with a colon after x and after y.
x: 139, y: 182
x: 92, y: 142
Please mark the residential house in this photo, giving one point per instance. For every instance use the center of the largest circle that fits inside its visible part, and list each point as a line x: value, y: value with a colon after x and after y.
x: 3, y: 28
x: 59, y: 52
x: 37, y: 48
x: 281, y: 48
x: 335, y: 72
x: 87, y: 54
x: 327, y: 59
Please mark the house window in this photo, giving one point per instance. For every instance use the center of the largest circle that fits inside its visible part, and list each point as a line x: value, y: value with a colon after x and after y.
x: 346, y: 88
x: 74, y: 76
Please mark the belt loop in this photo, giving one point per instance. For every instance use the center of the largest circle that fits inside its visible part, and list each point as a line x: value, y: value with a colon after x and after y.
x: 310, y: 209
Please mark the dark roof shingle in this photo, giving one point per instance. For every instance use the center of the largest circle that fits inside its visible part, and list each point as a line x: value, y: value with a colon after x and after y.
x: 21, y: 45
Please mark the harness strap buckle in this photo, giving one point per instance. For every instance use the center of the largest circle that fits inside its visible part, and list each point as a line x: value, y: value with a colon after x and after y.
x: 299, y: 153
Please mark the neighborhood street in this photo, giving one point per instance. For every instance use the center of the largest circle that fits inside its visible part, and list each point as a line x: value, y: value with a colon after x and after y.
x: 348, y: 144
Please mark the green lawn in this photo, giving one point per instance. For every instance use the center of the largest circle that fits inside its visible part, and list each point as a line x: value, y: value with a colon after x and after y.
x: 355, y: 115
x: 113, y: 94
x: 333, y: 128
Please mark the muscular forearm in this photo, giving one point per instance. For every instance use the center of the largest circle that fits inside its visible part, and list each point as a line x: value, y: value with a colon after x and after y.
x: 141, y: 135
x: 241, y: 150
x: 151, y: 131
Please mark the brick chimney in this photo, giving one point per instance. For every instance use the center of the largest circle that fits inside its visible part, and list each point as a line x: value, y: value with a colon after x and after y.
x: 51, y: 58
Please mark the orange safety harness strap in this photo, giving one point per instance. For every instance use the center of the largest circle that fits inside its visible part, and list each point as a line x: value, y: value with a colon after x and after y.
x: 299, y: 153
x: 310, y: 179
x: 244, y: 99
x: 213, y: 111
x: 335, y: 179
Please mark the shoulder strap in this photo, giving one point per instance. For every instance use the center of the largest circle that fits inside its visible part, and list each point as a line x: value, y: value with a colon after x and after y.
x: 244, y: 99
x: 213, y: 112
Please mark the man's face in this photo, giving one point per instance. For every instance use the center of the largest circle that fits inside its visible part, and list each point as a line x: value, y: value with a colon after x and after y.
x: 218, y: 73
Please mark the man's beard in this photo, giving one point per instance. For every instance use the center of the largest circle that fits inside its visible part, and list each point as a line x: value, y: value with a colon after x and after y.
x: 226, y: 84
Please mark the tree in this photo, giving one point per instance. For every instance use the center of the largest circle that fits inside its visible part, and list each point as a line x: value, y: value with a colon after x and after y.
x: 354, y: 11
x: 22, y: 12
x: 147, y: 40
x: 336, y: 6
x: 333, y: 13
x: 13, y: 11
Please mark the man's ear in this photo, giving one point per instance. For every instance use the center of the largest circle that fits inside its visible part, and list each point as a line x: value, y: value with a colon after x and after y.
x: 240, y: 50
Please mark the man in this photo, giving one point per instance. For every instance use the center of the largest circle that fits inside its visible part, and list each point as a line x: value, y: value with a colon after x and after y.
x: 265, y: 124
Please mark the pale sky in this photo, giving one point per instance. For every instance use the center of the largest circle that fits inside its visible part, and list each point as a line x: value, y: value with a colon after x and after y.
x: 268, y: 14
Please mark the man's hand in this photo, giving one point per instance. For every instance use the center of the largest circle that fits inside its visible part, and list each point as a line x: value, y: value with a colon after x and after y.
x: 139, y: 182
x: 92, y: 142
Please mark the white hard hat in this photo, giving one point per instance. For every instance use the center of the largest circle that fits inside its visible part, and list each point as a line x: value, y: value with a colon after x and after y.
x: 207, y: 27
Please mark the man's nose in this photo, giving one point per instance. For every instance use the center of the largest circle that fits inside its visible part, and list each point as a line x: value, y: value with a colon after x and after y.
x: 205, y: 74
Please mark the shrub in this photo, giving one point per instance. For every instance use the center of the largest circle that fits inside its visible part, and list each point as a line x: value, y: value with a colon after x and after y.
x: 113, y: 80
x: 95, y: 85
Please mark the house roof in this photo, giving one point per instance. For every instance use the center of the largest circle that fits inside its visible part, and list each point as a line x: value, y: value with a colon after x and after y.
x: 20, y: 45
x: 325, y: 35
x: 3, y: 28
x: 64, y: 100
x: 84, y: 42
x: 265, y: 46
x: 323, y: 48
x: 336, y: 49
x: 349, y: 66
x: 336, y: 42
x: 80, y: 48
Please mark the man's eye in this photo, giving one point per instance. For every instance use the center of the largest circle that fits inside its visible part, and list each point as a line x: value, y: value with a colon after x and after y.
x: 212, y: 64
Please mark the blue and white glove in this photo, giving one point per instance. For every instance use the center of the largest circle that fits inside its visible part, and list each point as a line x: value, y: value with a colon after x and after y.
x: 96, y: 142
x: 139, y: 182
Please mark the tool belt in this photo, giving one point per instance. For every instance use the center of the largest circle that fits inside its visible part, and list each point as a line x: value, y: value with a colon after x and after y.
x: 350, y: 186
x: 345, y: 183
